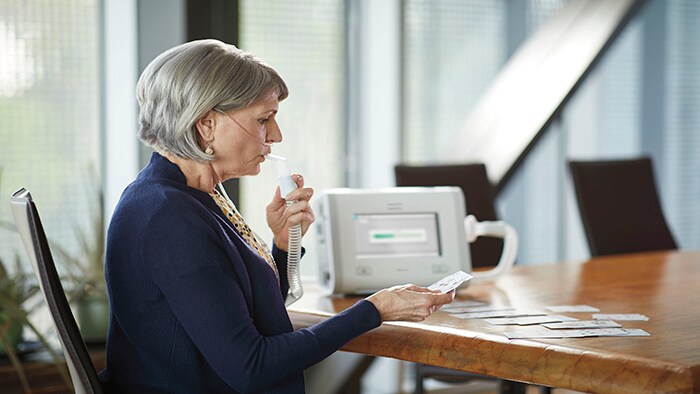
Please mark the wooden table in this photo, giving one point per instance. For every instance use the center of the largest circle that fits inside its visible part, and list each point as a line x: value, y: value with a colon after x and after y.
x: 662, y: 285
x: 42, y: 374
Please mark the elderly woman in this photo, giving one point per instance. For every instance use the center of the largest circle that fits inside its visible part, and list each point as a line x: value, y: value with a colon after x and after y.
x: 197, y: 298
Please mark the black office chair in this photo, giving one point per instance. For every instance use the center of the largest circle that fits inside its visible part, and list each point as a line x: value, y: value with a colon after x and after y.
x: 31, y: 231
x: 620, y: 207
x: 478, y: 195
x: 485, y: 251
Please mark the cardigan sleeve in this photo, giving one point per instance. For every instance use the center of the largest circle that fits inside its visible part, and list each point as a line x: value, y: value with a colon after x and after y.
x: 187, y: 261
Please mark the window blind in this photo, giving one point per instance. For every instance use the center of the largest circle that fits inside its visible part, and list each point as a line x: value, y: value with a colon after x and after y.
x: 50, y: 114
x: 305, y: 42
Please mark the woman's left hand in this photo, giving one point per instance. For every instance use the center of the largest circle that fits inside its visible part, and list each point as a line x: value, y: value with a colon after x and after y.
x: 280, y: 217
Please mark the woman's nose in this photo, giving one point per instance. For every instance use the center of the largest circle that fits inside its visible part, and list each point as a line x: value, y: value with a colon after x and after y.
x: 274, y: 134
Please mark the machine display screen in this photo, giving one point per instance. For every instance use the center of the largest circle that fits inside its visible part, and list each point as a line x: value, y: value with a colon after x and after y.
x: 397, y: 235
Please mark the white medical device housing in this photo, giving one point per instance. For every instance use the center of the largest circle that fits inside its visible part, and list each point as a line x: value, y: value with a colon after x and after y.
x: 371, y: 239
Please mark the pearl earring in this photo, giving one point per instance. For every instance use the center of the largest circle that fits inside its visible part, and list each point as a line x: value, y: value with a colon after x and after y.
x: 209, y: 150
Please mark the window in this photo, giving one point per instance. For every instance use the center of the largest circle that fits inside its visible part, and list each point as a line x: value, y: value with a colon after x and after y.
x: 641, y: 78
x: 304, y: 41
x: 50, y: 111
x: 600, y: 121
x: 679, y: 184
x: 452, y: 51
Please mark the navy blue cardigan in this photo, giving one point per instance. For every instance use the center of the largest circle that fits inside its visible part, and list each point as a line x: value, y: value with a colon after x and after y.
x: 194, y: 308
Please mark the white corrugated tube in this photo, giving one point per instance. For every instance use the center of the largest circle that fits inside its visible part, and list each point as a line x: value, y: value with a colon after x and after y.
x: 287, y: 185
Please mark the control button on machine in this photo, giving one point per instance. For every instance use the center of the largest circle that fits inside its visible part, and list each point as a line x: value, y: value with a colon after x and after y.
x: 364, y: 270
x: 439, y: 269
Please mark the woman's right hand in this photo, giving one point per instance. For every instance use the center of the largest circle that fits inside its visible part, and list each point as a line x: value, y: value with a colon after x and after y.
x: 408, y: 302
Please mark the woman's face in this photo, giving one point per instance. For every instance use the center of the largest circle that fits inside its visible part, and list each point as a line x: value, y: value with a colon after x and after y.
x: 242, y: 138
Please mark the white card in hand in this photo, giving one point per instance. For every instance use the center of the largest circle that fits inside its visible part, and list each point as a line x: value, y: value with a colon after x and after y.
x: 620, y: 316
x: 571, y: 308
x: 583, y: 324
x: 450, y: 282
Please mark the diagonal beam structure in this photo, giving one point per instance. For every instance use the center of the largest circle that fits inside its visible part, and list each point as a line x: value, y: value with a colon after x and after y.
x: 536, y: 83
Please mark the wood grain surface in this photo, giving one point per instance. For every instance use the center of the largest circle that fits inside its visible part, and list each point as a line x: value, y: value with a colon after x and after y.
x: 662, y: 285
x: 43, y: 376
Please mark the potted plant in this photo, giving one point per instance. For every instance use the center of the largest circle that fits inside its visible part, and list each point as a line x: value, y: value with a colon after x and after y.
x: 17, y: 289
x: 87, y: 291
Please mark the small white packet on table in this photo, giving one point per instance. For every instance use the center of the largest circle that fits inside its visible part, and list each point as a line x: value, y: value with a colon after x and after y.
x: 596, y: 332
x: 614, y: 332
x: 583, y: 324
x: 463, y: 304
x: 495, y: 314
x: 483, y: 308
x: 571, y: 308
x: 620, y: 316
x: 529, y: 320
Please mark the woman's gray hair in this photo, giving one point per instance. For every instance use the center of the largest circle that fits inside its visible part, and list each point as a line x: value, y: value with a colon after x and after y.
x: 182, y: 84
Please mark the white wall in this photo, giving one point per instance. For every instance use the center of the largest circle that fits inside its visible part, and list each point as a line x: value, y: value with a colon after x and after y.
x: 375, y: 95
x: 119, y: 65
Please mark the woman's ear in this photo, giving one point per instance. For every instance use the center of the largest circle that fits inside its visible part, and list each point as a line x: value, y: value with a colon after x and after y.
x: 205, y: 126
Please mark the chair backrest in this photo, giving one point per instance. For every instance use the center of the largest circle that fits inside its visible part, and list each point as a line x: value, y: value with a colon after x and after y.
x: 620, y: 207
x: 31, y: 231
x: 478, y: 195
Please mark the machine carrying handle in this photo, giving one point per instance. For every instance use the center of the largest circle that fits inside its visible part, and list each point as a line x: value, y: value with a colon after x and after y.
x: 498, y: 229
